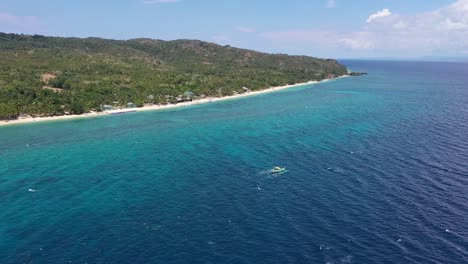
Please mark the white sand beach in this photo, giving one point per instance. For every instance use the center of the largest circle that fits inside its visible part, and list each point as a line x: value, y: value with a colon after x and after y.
x: 157, y: 107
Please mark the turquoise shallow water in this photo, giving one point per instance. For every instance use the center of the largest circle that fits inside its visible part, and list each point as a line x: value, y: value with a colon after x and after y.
x: 377, y: 173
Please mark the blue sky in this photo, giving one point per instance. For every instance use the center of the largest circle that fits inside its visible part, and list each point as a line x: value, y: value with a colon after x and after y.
x: 324, y: 28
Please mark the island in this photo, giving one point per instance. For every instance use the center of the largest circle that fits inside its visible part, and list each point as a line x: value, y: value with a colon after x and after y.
x: 44, y: 76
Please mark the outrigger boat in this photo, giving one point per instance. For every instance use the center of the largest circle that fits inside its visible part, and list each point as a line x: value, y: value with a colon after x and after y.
x: 278, y: 170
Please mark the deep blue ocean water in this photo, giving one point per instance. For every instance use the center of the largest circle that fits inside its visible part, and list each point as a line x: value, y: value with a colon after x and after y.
x: 377, y: 173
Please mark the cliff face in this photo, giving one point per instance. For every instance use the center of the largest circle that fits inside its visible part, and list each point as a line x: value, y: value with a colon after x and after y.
x: 86, y: 73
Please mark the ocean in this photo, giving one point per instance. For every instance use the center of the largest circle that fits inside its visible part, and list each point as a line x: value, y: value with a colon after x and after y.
x: 377, y: 172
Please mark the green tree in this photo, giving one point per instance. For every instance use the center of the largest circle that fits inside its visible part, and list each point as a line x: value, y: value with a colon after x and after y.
x: 8, y: 111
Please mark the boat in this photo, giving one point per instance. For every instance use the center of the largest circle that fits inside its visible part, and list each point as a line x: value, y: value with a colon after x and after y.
x: 278, y: 170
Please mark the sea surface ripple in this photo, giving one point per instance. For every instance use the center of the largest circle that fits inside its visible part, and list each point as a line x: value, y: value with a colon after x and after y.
x: 377, y: 172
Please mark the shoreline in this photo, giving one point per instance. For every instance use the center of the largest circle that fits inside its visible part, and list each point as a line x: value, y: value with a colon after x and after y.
x: 159, y: 107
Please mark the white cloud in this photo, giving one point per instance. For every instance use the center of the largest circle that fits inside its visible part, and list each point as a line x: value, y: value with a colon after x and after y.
x: 331, y: 3
x: 20, y: 24
x: 378, y: 15
x: 452, y: 25
x: 455, y: 15
x: 461, y: 5
x: 439, y: 32
x: 400, y: 25
x: 356, y: 44
x: 151, y: 2
x: 246, y: 29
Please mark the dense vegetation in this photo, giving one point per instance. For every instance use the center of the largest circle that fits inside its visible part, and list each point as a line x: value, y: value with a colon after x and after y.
x: 43, y: 76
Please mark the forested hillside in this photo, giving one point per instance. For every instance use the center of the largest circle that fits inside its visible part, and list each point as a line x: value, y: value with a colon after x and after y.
x: 44, y: 76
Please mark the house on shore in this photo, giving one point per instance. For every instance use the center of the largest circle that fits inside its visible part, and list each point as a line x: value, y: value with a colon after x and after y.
x: 24, y: 116
x: 106, y: 107
x: 188, y: 96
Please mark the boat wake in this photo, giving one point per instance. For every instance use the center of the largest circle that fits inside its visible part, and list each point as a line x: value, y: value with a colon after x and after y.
x: 275, y: 172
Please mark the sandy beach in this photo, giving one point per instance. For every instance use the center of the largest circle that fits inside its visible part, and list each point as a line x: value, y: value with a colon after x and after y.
x: 157, y: 107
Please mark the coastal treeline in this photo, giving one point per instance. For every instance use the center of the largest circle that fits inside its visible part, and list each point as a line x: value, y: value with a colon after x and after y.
x: 46, y: 76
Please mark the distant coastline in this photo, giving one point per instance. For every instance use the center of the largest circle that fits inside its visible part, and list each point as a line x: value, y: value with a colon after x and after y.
x: 157, y: 107
x: 54, y: 76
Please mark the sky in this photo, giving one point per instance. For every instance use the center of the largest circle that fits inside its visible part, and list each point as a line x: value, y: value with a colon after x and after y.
x: 321, y: 28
